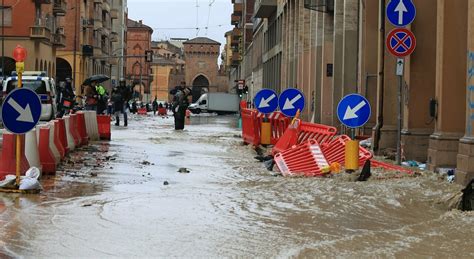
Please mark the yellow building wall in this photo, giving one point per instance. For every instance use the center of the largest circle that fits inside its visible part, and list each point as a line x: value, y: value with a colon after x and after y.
x: 161, y: 80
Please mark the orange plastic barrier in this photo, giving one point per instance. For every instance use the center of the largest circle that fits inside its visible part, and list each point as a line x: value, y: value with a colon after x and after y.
x: 389, y: 166
x: 103, y: 122
x: 278, y: 122
x: 74, y: 131
x: 62, y: 134
x: 46, y: 156
x: 305, y: 159
x: 336, y: 149
x: 249, y: 128
x: 81, y: 127
x: 57, y: 139
x: 162, y: 111
x: 301, y: 132
x: 142, y: 111
x: 8, y: 157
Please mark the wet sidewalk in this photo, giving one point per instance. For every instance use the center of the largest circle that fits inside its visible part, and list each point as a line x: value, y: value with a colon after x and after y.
x: 111, y: 200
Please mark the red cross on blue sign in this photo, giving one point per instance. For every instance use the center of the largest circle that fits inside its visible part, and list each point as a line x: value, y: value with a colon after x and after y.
x: 401, y: 42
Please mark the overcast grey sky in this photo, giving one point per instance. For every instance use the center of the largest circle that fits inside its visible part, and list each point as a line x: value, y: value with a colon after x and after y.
x: 177, y: 18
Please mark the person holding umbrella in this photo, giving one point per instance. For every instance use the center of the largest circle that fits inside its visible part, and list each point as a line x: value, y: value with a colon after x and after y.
x: 93, y: 95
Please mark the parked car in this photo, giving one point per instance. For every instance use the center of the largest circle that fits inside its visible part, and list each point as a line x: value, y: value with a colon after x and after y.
x: 37, y: 81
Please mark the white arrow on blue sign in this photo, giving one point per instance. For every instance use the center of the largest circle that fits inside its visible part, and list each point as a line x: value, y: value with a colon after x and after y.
x: 401, y: 12
x: 21, y: 110
x: 354, y: 110
x: 291, y: 100
x: 266, y: 101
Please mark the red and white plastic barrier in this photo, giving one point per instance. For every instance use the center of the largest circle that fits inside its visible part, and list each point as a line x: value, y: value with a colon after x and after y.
x: 336, y: 149
x: 57, y: 139
x: 74, y: 131
x: 47, y: 157
x: 301, y: 132
x: 31, y: 150
x: 81, y: 127
x: 306, y: 159
x: 63, y: 134
x: 8, y: 157
x: 71, y: 144
x: 91, y: 125
x: 52, y: 146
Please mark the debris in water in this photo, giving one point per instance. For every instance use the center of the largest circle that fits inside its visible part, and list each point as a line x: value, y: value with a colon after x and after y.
x: 365, y: 174
x: 94, y: 174
x: 87, y: 205
x: 184, y: 170
x: 145, y: 163
x: 165, y: 183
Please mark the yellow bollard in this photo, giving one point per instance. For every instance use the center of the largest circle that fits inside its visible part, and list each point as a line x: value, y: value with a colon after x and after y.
x: 352, y: 155
x: 266, y: 133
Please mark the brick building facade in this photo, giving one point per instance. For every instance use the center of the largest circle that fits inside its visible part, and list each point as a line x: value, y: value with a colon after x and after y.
x: 202, y: 71
x: 139, y: 72
x: 36, y: 26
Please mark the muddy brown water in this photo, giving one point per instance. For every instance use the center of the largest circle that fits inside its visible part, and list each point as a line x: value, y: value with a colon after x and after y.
x: 227, y: 206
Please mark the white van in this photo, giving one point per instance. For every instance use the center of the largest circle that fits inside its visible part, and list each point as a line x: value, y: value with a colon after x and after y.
x: 37, y: 81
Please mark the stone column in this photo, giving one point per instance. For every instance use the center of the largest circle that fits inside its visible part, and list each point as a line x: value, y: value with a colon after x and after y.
x: 465, y: 158
x: 368, y: 24
x: 338, y: 53
x: 450, y: 83
x: 350, y: 47
x: 420, y: 77
x: 327, y: 59
x: 318, y: 67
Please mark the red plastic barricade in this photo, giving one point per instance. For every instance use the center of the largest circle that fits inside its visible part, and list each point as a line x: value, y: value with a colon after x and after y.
x: 103, y: 122
x: 57, y: 139
x: 305, y: 159
x: 74, y: 131
x: 279, y: 124
x: 249, y: 127
x: 162, y: 111
x: 335, y: 151
x: 81, y: 127
x: 8, y: 157
x: 62, y: 134
x: 301, y: 132
x: 142, y: 111
x: 46, y: 156
x: 389, y: 166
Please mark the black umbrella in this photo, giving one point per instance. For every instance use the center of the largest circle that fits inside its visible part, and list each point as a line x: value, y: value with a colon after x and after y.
x: 96, y: 78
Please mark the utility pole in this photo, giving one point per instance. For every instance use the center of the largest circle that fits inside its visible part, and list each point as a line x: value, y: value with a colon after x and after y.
x: 3, y: 39
x: 74, y: 65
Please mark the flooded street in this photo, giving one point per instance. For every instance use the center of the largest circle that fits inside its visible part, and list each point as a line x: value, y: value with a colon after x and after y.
x: 110, y: 200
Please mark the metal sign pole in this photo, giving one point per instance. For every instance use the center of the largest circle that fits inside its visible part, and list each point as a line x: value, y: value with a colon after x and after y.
x: 400, y: 68
x: 20, y: 67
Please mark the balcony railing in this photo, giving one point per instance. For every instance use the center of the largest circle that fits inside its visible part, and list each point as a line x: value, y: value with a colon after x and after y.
x: 265, y: 8
x: 59, y: 7
x: 59, y: 39
x: 40, y: 32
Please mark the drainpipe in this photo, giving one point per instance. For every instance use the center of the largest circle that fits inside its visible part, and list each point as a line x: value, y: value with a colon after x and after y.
x: 380, y: 78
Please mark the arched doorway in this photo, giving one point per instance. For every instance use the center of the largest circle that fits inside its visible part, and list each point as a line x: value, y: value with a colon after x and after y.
x: 9, y: 66
x: 63, y: 70
x: 200, y: 86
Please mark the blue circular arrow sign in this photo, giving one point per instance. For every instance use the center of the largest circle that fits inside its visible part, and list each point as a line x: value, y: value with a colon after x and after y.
x: 21, y: 110
x: 266, y: 101
x: 291, y: 100
x: 354, y: 110
x: 401, y: 13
